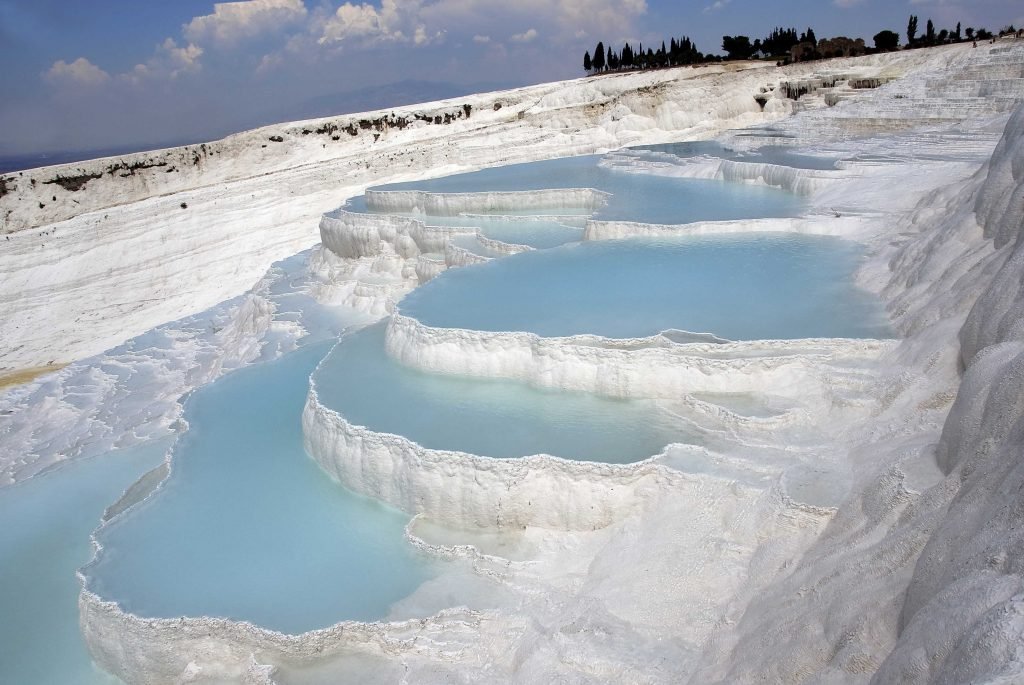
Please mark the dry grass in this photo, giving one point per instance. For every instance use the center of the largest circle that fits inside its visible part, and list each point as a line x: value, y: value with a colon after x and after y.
x: 21, y: 376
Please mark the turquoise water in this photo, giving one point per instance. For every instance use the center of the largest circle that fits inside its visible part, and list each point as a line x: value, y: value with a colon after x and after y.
x: 518, y: 230
x: 635, y: 197
x: 769, y: 154
x: 44, y: 539
x: 249, y: 528
x: 486, y: 417
x: 740, y: 287
x: 470, y: 243
x: 537, y: 234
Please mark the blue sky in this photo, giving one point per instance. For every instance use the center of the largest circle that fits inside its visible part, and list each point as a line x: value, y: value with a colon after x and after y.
x: 98, y: 74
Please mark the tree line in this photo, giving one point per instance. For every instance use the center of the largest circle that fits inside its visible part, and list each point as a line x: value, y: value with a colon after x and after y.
x: 932, y: 37
x: 679, y: 52
x: 782, y: 44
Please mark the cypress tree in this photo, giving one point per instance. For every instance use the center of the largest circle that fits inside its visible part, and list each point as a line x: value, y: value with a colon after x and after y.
x: 587, y: 66
x: 598, y: 60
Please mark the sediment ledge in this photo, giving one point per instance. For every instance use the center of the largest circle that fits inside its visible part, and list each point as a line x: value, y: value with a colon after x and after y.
x: 504, y: 202
x: 668, y: 366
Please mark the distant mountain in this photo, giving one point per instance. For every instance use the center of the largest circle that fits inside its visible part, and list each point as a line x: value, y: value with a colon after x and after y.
x: 407, y: 92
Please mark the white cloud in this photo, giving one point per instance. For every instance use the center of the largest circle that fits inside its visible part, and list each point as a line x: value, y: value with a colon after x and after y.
x: 235, y: 21
x: 176, y: 60
x: 597, y: 17
x: 525, y: 37
x: 138, y: 74
x: 81, y: 72
x: 365, y: 24
x: 169, y: 60
x: 291, y: 33
x: 406, y: 20
x: 846, y: 3
x: 716, y: 6
x: 369, y: 23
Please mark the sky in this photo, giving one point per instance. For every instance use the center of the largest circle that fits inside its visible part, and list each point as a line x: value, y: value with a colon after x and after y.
x: 106, y: 74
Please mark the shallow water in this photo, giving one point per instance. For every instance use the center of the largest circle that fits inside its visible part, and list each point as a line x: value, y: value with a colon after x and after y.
x: 635, y: 197
x: 534, y: 232
x: 769, y: 154
x: 248, y: 527
x: 739, y: 287
x: 537, y: 234
x: 490, y: 418
x: 44, y: 539
x: 471, y: 244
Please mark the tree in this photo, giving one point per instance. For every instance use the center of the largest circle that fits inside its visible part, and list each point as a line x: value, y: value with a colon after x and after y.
x: 682, y: 51
x: 956, y: 34
x: 887, y: 41
x: 738, y: 47
x: 598, y: 61
x: 929, y: 35
x: 969, y: 32
x: 779, y: 42
x: 911, y: 29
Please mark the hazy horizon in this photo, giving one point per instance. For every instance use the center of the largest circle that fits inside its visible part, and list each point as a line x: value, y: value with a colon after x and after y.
x: 401, y: 93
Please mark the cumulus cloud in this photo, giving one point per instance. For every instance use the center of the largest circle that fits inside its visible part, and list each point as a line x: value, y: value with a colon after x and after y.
x: 232, y: 22
x: 366, y: 22
x: 524, y: 37
x: 176, y: 60
x: 81, y: 72
x: 169, y: 60
x: 274, y: 36
x: 597, y: 17
x: 419, y: 36
x: 404, y: 21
